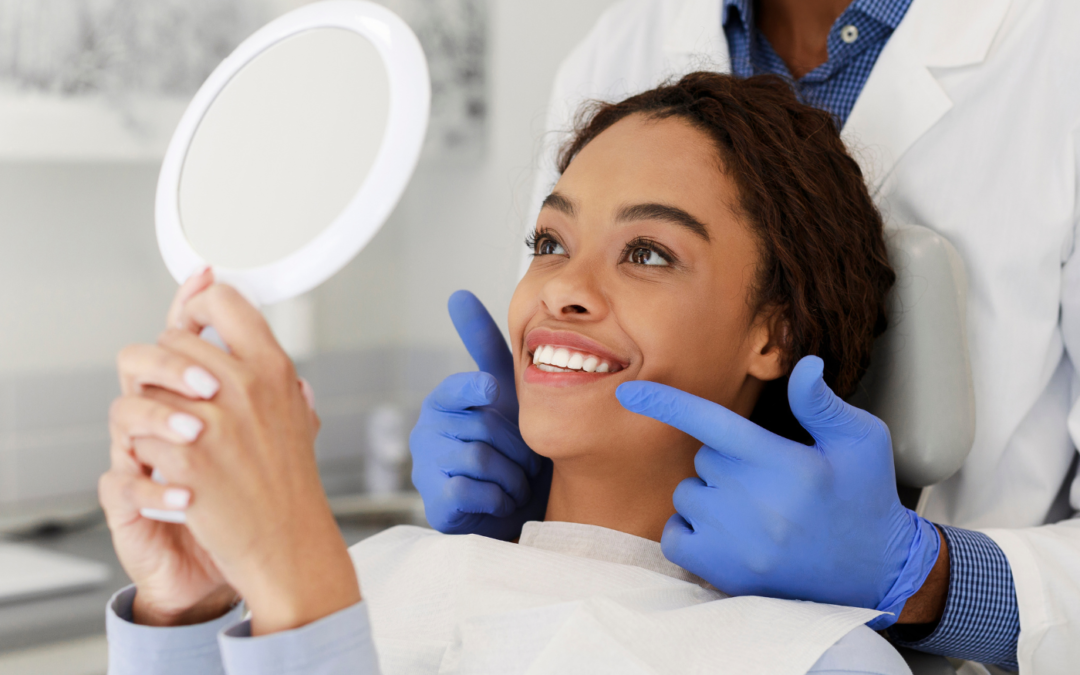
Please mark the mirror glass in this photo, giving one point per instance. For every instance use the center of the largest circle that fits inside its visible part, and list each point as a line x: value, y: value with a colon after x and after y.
x: 284, y: 148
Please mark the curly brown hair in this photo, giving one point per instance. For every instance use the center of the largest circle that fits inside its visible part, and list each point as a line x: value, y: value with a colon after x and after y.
x: 824, y: 269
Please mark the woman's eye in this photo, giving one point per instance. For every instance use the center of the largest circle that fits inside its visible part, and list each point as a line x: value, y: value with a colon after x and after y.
x: 550, y: 247
x: 647, y: 256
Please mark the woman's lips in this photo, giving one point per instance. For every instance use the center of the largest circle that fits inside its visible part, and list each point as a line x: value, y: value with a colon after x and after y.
x: 563, y: 358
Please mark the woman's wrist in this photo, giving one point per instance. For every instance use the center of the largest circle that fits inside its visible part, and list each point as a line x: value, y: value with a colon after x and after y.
x: 304, y: 583
x: 148, y: 611
x: 316, y: 593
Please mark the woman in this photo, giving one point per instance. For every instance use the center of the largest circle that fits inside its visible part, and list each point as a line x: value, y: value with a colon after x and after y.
x: 705, y: 235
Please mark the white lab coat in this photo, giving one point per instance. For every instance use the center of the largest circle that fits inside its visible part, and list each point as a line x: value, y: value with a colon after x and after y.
x: 969, y: 124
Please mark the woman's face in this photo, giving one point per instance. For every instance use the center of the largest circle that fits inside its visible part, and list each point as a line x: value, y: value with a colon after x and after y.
x: 643, y: 271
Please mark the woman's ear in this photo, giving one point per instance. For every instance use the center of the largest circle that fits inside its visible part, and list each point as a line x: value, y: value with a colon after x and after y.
x: 769, y: 341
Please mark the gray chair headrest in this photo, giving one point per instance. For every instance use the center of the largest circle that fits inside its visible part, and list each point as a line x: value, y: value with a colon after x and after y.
x: 919, y: 381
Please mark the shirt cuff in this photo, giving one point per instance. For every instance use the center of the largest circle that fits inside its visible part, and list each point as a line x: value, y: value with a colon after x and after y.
x: 157, y: 650
x: 981, y: 621
x: 336, y: 644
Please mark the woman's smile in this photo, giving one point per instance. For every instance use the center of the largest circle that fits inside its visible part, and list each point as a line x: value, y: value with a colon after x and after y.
x: 561, y: 358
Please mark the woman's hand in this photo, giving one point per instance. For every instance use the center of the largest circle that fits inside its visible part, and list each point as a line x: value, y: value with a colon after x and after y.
x: 257, y: 504
x: 178, y: 582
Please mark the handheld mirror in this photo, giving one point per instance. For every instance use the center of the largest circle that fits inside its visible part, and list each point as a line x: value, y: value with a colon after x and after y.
x: 294, y: 152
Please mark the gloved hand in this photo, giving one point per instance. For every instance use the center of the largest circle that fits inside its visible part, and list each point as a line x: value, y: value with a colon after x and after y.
x: 773, y: 517
x: 470, y: 464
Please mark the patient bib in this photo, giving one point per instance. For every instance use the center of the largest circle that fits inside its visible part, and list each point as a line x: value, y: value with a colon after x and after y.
x: 573, y: 598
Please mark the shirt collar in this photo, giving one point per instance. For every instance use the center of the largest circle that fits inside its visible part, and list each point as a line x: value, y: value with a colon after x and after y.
x: 888, y: 12
x: 743, y: 10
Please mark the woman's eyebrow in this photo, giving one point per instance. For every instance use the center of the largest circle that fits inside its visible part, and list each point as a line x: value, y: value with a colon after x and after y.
x: 671, y: 214
x: 563, y: 205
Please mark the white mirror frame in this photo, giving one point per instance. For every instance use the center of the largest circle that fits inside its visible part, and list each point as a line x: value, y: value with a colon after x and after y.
x: 335, y: 246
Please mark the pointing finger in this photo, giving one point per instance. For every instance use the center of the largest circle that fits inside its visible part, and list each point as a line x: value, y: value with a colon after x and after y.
x: 710, y: 423
x: 485, y: 343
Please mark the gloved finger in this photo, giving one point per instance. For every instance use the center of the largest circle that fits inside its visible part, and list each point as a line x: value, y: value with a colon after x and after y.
x: 482, y: 462
x: 820, y: 411
x: 485, y: 344
x: 462, y: 391
x: 676, y: 540
x: 715, y: 468
x: 690, y: 500
x: 710, y: 423
x: 476, y: 496
x: 489, y: 426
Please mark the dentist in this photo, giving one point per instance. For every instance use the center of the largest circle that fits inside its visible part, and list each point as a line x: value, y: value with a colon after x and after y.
x: 966, y: 117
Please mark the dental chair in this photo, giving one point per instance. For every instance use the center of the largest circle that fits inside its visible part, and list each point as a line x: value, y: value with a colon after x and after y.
x: 919, y: 381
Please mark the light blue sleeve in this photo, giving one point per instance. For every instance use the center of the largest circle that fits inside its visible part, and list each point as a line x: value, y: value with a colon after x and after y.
x: 861, y: 652
x: 152, y: 650
x: 338, y: 644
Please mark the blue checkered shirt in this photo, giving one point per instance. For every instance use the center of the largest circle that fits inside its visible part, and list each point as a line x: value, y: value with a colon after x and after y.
x: 981, y: 621
x: 855, y: 41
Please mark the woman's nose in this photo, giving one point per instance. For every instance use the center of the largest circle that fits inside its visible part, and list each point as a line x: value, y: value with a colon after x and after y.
x: 574, y: 292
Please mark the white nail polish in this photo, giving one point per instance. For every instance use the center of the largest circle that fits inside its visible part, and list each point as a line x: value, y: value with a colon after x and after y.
x: 204, y: 384
x: 187, y: 426
x: 176, y: 498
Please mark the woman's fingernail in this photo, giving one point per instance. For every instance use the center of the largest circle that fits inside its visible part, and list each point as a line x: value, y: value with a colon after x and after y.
x: 308, y: 392
x: 177, y: 498
x: 187, y: 426
x: 204, y: 384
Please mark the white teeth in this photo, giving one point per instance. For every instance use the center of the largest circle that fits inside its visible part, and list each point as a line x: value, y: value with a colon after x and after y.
x: 553, y: 359
x: 551, y: 369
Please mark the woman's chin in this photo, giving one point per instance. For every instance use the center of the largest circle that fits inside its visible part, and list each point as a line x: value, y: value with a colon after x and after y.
x: 558, y: 438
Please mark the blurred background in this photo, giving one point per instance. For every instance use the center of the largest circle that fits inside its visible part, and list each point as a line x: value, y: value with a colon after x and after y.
x: 90, y: 91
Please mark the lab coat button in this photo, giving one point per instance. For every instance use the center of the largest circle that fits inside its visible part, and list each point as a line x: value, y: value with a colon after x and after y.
x: 849, y: 33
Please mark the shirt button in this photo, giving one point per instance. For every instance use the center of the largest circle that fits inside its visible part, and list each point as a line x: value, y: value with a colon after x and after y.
x: 849, y: 33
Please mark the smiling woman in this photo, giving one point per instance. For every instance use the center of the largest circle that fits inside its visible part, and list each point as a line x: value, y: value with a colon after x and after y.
x: 704, y: 235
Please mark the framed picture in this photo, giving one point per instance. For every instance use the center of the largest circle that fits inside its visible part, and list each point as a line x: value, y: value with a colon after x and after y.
x: 107, y: 80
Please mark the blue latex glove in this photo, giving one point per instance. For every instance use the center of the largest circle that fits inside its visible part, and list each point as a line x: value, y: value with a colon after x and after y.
x: 772, y: 517
x: 470, y: 464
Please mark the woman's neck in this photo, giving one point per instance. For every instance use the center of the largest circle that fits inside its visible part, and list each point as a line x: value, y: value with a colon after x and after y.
x: 637, y: 502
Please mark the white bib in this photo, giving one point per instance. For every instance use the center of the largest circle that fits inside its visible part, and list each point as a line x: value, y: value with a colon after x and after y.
x: 573, y: 598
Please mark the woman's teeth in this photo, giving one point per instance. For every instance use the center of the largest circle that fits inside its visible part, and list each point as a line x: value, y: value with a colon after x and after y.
x: 562, y: 360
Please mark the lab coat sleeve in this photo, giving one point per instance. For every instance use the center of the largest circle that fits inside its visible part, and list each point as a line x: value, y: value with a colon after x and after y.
x: 151, y: 650
x: 338, y: 644
x: 1045, y: 560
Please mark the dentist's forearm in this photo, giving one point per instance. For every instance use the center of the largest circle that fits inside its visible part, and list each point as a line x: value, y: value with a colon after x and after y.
x: 927, y: 605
